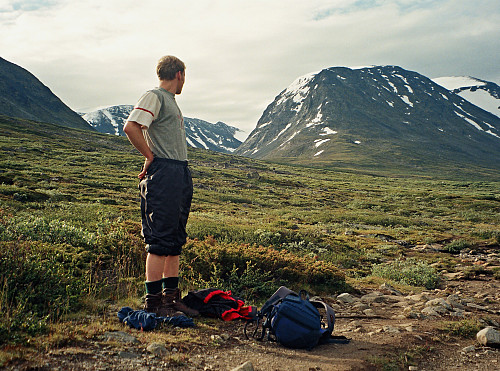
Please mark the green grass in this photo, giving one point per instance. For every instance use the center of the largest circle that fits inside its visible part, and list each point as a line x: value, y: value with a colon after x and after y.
x: 70, y: 220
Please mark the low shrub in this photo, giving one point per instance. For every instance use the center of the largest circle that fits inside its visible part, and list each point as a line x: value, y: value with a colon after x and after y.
x: 456, y: 246
x: 247, y: 267
x: 45, y: 230
x: 467, y: 328
x: 409, y: 272
x: 40, y: 283
x: 49, y: 268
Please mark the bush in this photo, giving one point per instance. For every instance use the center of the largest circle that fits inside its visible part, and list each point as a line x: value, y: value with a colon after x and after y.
x: 456, y: 246
x: 53, y: 231
x: 42, y: 278
x: 409, y: 272
x: 467, y: 328
x: 49, y: 266
x: 38, y: 284
x: 255, y: 270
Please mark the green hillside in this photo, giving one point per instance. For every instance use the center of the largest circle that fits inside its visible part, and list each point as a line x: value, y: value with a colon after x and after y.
x: 70, y: 224
x: 23, y: 95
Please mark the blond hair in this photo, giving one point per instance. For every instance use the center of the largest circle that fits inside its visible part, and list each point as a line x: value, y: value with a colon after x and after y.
x: 168, y: 66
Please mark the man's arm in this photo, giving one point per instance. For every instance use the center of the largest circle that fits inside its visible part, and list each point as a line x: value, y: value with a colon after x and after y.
x: 133, y: 130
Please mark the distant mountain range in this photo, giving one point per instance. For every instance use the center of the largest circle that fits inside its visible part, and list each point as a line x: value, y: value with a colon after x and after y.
x: 375, y: 117
x: 199, y: 134
x: 367, y: 118
x: 23, y: 95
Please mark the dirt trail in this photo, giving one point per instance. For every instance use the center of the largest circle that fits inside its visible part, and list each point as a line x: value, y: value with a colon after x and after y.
x: 387, y: 331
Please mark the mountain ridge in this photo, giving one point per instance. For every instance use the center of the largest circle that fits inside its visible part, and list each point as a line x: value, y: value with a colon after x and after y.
x: 482, y: 93
x: 380, y: 116
x: 23, y: 95
x: 199, y: 133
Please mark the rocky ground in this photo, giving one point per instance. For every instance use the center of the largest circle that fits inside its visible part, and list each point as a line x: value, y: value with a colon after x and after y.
x: 389, y: 330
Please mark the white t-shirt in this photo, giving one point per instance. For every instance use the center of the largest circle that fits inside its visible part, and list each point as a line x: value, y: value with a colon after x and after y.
x: 146, y: 109
x: 163, y: 124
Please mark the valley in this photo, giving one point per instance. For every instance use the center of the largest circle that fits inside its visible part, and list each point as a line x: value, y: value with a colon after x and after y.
x: 72, y: 255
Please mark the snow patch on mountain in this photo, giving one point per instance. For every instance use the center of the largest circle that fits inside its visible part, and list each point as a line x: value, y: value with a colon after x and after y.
x: 319, y: 142
x: 298, y: 91
x: 327, y: 131
x: 199, y: 134
x: 319, y: 153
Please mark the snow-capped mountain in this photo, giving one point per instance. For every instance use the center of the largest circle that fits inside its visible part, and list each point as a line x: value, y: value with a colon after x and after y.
x: 199, y: 134
x: 484, y: 94
x: 373, y: 116
x: 109, y: 120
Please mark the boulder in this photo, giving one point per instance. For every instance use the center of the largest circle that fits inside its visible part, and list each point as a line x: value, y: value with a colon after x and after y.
x: 439, y: 302
x: 346, y: 298
x: 489, y: 337
x: 157, y: 349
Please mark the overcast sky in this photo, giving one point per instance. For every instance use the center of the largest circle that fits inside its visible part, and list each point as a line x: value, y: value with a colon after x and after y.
x: 240, y: 54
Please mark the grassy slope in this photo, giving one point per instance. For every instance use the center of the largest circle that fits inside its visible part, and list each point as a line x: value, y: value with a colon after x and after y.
x: 69, y: 203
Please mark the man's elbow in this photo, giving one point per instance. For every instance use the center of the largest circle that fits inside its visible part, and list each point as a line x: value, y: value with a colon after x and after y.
x: 129, y: 127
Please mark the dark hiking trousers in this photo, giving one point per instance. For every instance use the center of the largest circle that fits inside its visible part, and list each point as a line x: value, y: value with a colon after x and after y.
x: 166, y: 194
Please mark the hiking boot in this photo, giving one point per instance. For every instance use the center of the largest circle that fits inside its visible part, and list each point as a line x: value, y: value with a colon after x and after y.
x: 155, y: 304
x: 173, y: 297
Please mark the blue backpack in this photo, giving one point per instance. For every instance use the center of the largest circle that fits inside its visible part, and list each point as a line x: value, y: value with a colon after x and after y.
x: 294, y: 321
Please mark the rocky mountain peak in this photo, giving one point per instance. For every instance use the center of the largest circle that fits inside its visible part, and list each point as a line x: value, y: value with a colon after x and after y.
x: 376, y: 115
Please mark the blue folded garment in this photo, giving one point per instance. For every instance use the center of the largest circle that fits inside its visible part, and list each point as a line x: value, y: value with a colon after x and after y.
x: 142, y: 320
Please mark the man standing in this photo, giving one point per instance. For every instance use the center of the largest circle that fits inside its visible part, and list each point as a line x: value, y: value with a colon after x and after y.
x: 156, y: 128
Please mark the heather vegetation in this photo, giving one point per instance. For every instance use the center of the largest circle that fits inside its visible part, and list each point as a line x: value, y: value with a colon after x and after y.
x: 70, y: 226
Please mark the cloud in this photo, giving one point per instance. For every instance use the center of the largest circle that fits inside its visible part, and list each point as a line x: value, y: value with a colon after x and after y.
x: 239, y: 54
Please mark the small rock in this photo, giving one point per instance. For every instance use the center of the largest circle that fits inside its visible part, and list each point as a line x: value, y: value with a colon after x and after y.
x: 430, y: 311
x: 247, y: 366
x: 369, y: 312
x: 412, y: 368
x: 120, y: 336
x: 391, y: 329
x: 127, y: 355
x: 360, y: 306
x: 418, y: 297
x: 346, y: 298
x: 374, y: 297
x: 388, y: 288
x: 438, y: 302
x: 476, y: 306
x: 489, y: 337
x: 157, y: 349
x: 355, y: 324
x: 469, y: 349
x: 225, y: 337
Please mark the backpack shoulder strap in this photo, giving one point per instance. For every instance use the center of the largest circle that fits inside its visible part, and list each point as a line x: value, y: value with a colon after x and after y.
x: 327, y: 336
x: 281, y: 293
x: 329, y: 314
